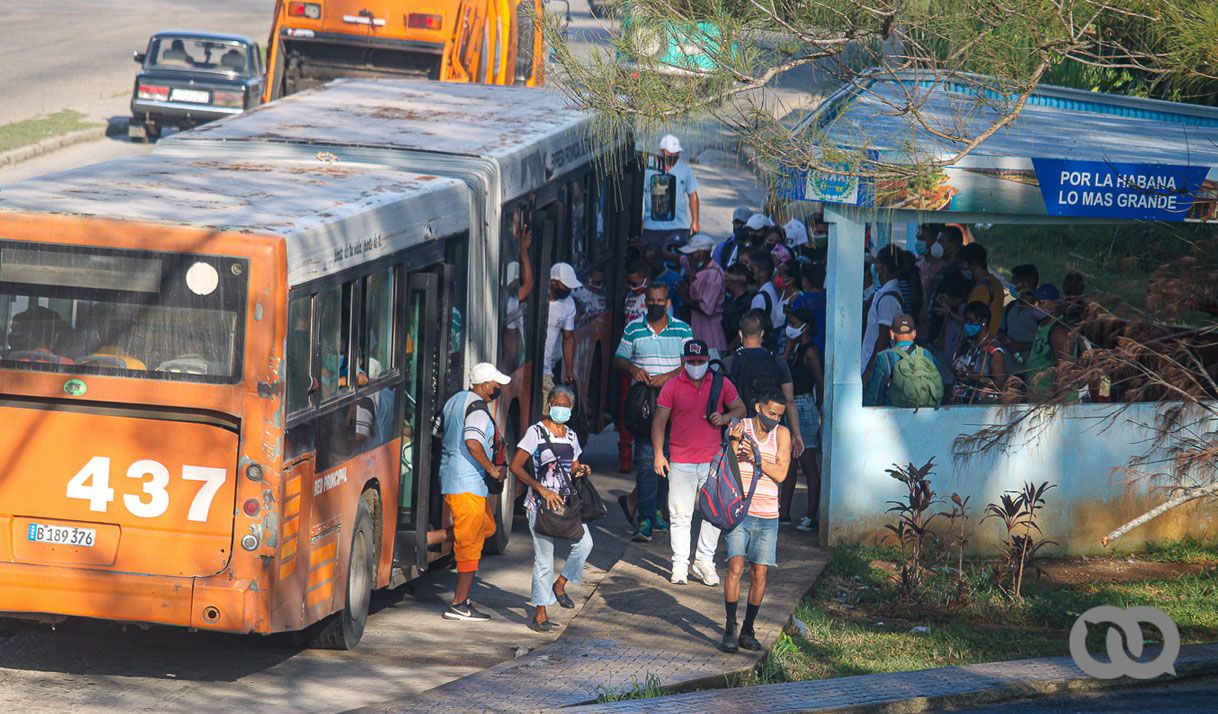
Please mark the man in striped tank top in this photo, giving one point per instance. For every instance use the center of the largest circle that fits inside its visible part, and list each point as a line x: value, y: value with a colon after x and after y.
x: 755, y: 539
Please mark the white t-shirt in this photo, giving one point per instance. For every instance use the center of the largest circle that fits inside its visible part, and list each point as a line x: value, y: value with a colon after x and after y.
x: 884, y: 307
x: 562, y: 318
x: 778, y: 318
x: 687, y: 183
x: 551, y: 461
x: 478, y: 424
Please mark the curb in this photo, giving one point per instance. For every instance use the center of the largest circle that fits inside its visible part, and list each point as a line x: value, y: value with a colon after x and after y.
x: 918, y: 691
x: 55, y: 143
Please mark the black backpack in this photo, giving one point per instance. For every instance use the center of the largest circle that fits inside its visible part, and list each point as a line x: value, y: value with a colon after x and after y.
x: 769, y: 338
x: 755, y: 375
x: 640, y: 410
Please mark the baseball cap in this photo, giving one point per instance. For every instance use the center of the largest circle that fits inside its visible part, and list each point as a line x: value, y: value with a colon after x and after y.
x: 696, y: 348
x: 513, y: 272
x: 741, y: 214
x: 565, y: 274
x: 670, y: 144
x: 1048, y: 291
x: 903, y: 323
x: 485, y: 372
x: 698, y: 243
x: 797, y: 233
x: 756, y: 222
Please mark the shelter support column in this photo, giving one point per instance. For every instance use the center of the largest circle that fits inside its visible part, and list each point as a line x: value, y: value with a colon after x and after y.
x: 843, y: 372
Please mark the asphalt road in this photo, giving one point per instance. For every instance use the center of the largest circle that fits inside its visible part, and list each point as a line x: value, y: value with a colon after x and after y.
x: 76, y: 54
x: 1183, y: 697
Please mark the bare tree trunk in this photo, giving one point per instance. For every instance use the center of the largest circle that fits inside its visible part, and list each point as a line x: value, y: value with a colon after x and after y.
x: 1192, y: 494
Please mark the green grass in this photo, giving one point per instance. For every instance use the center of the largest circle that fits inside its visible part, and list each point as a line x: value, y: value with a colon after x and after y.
x: 646, y: 689
x: 1117, y: 261
x: 858, y: 625
x: 32, y: 131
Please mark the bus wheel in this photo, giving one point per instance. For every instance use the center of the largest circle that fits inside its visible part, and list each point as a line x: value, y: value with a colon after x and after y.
x: 343, y: 629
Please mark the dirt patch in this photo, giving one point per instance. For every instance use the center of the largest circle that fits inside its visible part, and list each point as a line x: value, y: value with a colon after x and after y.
x: 1112, y: 570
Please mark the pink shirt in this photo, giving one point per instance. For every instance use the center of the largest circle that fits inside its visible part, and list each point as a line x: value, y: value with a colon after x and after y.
x: 765, y: 499
x: 691, y: 438
x: 706, y: 294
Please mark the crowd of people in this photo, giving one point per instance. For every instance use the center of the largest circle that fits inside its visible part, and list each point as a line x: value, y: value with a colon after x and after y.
x: 722, y: 352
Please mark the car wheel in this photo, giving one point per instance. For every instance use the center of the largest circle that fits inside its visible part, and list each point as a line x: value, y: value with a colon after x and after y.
x: 343, y: 629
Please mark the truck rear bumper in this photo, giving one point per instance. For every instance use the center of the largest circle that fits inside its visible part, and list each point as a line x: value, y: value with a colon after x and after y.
x: 226, y: 606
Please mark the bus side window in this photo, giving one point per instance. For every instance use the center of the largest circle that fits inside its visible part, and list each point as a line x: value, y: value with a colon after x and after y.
x: 335, y: 318
x: 300, y: 392
x: 577, y: 197
x: 517, y: 287
x: 376, y: 357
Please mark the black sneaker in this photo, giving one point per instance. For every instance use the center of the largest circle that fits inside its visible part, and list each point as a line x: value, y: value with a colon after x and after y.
x: 465, y: 612
x: 748, y: 642
x: 729, y: 643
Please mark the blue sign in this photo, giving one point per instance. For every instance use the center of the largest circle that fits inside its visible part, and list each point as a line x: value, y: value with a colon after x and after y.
x: 802, y: 185
x: 1102, y: 189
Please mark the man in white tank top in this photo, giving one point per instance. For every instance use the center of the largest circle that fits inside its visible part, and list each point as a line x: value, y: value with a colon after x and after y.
x: 755, y: 539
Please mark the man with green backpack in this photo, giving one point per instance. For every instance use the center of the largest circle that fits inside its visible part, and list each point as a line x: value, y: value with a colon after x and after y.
x: 904, y: 375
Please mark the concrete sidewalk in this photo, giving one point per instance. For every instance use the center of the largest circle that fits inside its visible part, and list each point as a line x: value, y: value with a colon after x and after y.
x: 926, y: 690
x: 635, y: 625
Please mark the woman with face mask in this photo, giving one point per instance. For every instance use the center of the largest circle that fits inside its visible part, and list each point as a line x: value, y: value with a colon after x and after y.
x: 981, y: 364
x: 551, y: 450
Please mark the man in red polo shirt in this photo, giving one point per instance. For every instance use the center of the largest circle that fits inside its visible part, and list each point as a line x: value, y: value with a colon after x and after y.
x: 693, y: 442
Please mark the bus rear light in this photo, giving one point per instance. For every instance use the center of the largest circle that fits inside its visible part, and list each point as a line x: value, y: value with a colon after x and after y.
x: 153, y: 92
x: 250, y: 507
x: 308, y: 10
x: 249, y: 541
x: 418, y: 21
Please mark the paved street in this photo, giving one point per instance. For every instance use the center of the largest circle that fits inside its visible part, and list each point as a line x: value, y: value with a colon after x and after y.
x: 76, y: 54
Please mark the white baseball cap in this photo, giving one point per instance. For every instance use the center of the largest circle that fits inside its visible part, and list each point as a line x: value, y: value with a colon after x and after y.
x: 485, y: 372
x: 513, y: 272
x: 797, y: 233
x: 698, y: 243
x: 565, y: 274
x: 756, y: 222
x: 670, y: 144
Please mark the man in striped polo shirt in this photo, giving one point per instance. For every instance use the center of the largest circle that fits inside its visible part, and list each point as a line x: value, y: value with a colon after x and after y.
x: 650, y: 352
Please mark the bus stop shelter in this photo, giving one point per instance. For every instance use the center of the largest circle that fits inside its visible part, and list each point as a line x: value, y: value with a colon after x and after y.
x: 1070, y: 157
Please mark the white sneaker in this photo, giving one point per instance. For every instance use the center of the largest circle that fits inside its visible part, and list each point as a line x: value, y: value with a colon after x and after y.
x: 805, y: 524
x: 706, y: 573
x: 680, y: 575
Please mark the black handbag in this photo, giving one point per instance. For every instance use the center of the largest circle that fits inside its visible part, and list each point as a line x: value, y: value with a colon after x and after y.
x: 563, y: 522
x: 594, y: 507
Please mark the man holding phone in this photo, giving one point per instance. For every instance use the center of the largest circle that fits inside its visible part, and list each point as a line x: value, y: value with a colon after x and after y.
x: 694, y: 441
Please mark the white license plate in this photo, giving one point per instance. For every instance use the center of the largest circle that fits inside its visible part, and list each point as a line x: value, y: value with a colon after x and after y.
x: 61, y: 535
x: 194, y: 96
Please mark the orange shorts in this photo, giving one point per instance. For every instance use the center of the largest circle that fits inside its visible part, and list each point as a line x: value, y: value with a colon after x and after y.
x: 472, y: 525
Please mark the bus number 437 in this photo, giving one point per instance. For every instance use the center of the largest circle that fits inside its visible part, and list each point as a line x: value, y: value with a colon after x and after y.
x: 92, y: 484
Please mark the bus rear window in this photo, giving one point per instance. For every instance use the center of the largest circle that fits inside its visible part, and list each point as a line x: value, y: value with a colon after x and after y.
x: 140, y: 314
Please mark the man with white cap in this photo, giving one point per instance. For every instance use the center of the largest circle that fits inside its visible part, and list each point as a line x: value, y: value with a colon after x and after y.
x: 706, y: 293
x: 466, y: 469
x: 561, y: 321
x: 670, y: 198
x: 797, y: 235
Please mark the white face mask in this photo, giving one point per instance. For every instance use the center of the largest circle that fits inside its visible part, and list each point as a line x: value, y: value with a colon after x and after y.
x: 936, y: 251
x: 696, y: 371
x: 793, y: 333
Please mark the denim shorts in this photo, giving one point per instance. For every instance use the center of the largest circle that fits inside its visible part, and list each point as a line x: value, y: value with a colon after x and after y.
x: 809, y: 420
x: 756, y: 539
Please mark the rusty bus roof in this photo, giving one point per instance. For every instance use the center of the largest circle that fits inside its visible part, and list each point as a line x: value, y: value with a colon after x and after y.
x: 317, y: 206
x: 532, y: 134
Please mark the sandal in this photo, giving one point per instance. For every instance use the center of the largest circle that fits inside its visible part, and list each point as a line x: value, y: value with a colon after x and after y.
x: 563, y: 599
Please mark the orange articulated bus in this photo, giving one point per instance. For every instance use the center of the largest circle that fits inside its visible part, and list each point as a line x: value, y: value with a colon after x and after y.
x: 221, y: 363
x: 482, y: 41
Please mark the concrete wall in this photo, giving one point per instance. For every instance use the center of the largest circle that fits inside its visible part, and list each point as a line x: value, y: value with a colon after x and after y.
x: 1082, y: 449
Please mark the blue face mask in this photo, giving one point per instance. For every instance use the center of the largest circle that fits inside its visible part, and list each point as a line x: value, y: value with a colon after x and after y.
x: 904, y: 343
x: 560, y: 415
x: 972, y: 329
x: 919, y: 247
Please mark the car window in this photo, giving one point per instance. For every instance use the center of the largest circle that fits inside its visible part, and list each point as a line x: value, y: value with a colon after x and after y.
x: 198, y: 54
